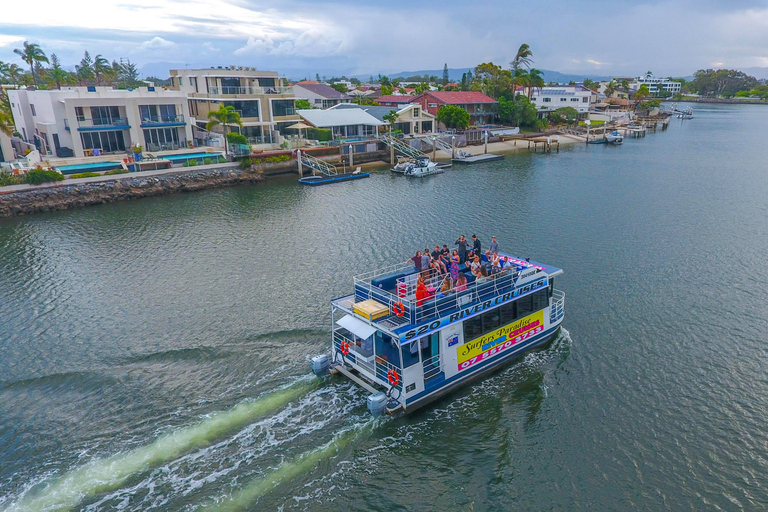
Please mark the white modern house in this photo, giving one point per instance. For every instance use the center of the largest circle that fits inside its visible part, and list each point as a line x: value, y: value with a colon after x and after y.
x: 550, y: 98
x: 411, y: 118
x: 320, y: 95
x: 89, y: 121
x: 655, y: 85
x: 265, y: 104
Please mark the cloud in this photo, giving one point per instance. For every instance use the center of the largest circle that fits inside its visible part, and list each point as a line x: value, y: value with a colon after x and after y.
x: 209, y: 47
x: 6, y: 40
x: 310, y: 43
x: 156, y: 43
x: 596, y: 62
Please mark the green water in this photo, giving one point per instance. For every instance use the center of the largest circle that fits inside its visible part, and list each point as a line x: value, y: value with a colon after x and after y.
x: 154, y: 354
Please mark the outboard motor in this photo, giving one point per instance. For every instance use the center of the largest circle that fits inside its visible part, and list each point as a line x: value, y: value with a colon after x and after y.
x: 320, y: 365
x: 377, y: 403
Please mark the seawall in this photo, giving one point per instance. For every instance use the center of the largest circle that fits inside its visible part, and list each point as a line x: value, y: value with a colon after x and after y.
x: 26, y: 199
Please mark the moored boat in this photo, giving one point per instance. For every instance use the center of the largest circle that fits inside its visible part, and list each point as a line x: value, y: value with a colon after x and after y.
x: 614, y: 137
x: 407, y: 351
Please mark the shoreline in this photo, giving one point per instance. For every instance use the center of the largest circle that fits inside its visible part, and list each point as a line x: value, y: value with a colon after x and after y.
x: 19, y: 200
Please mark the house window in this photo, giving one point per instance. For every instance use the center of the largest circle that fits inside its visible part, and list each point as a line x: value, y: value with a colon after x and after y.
x: 563, y: 99
x: 433, y: 105
x: 585, y: 100
x: 191, y: 81
x: 415, y: 111
x: 79, y: 114
x: 574, y: 99
x: 33, y: 109
x: 318, y: 101
x: 547, y: 100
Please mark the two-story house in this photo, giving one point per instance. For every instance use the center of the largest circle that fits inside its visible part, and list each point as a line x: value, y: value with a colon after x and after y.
x: 266, y: 106
x: 85, y: 121
x: 550, y: 98
x: 482, y: 108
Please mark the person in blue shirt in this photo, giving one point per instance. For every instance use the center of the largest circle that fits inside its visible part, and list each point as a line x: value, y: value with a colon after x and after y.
x: 494, y: 246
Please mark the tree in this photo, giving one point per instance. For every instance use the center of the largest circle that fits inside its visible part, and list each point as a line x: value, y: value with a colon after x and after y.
x: 224, y: 116
x: 641, y: 93
x: 518, y: 111
x: 31, y: 53
x: 57, y: 75
x: 564, y: 115
x: 522, y: 58
x: 391, y: 118
x: 386, y: 90
x: 723, y: 82
x: 491, y: 79
x: 101, y: 67
x: 446, y: 78
x: 535, y: 81
x: 453, y: 116
x: 303, y: 105
x: 610, y: 89
x: 340, y: 87
x: 84, y: 70
x: 589, y: 84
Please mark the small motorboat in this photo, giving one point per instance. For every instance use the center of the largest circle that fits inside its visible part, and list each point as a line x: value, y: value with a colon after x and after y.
x: 421, y: 167
x: 614, y: 138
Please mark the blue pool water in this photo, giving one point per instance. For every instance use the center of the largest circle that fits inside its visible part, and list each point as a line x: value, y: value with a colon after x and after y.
x: 94, y: 167
x: 190, y: 156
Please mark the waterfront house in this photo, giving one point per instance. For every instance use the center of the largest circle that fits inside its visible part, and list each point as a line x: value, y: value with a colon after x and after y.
x: 481, y: 108
x: 550, y: 98
x: 319, y: 95
x: 265, y: 104
x: 411, y: 118
x: 86, y: 121
x: 655, y: 85
x: 343, y: 122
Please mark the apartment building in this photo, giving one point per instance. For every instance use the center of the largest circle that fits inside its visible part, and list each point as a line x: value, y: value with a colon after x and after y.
x: 87, y: 121
x: 266, y: 106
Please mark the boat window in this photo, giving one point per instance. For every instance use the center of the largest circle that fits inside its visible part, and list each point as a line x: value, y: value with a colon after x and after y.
x: 491, y: 320
x: 508, y: 313
x: 524, y: 306
x: 473, y: 328
x: 540, y: 299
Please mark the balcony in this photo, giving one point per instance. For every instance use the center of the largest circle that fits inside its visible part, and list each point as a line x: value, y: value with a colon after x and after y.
x: 162, y: 121
x: 66, y: 124
x: 104, y: 123
x: 248, y: 91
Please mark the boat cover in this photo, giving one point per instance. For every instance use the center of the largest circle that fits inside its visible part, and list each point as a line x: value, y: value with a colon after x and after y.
x: 355, y: 326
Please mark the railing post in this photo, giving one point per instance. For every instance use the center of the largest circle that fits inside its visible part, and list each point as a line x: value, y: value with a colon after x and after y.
x: 298, y: 159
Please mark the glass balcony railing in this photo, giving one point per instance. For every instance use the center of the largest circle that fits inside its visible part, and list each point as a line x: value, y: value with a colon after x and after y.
x: 248, y: 90
x: 162, y: 120
x: 103, y: 122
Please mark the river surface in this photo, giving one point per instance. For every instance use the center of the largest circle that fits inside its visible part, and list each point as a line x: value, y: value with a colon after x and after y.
x: 154, y: 355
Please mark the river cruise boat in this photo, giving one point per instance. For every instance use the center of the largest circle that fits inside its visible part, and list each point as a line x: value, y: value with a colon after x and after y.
x: 407, y: 351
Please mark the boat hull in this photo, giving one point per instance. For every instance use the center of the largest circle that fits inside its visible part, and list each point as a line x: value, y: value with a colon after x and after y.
x: 326, y: 180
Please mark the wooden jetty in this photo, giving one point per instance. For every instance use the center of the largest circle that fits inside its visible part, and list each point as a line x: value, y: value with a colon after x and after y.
x: 545, y: 142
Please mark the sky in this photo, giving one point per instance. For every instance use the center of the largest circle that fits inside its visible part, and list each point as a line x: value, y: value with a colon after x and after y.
x: 301, y: 38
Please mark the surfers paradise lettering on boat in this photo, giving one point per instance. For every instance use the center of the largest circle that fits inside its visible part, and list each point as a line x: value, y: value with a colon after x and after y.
x: 474, y: 310
x: 500, y: 340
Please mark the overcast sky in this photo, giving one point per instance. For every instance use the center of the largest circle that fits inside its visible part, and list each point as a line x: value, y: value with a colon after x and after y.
x: 304, y: 37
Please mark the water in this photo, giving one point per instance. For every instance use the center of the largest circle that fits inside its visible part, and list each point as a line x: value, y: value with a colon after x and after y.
x: 154, y: 354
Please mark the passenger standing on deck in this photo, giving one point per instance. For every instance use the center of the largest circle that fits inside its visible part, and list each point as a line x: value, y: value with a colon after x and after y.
x: 455, y: 262
x: 421, y: 291
x: 476, y: 246
x: 462, y: 243
x: 416, y: 260
x: 494, y: 246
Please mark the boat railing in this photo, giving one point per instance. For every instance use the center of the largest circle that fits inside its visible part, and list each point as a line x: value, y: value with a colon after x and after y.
x: 432, y: 367
x: 375, y: 367
x: 436, y: 305
x: 557, y: 306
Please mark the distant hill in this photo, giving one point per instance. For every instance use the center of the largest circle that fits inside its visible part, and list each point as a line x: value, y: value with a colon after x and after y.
x: 456, y: 73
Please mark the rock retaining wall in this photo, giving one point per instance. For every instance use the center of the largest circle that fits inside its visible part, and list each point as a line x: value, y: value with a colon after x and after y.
x: 63, y: 195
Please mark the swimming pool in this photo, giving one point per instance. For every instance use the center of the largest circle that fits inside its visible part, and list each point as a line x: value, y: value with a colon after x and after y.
x: 200, y: 157
x: 93, y: 167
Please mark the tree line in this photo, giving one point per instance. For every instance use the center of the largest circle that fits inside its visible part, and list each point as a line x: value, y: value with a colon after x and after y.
x: 47, y: 72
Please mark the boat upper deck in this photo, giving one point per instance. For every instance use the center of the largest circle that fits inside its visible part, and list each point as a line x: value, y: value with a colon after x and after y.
x: 397, y: 285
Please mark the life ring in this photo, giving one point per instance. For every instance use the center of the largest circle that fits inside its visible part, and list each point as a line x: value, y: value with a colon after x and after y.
x: 393, y: 377
x: 398, y: 308
x: 344, y: 346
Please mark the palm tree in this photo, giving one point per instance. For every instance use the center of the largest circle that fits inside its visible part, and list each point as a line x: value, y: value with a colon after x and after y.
x: 14, y: 73
x: 610, y: 88
x: 535, y: 81
x: 522, y: 58
x: 224, y: 116
x: 3, y: 71
x: 31, y: 53
x: 6, y: 123
x: 101, y: 67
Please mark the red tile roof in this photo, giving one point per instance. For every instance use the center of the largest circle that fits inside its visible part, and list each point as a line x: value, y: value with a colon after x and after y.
x: 394, y: 98
x: 455, y: 97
